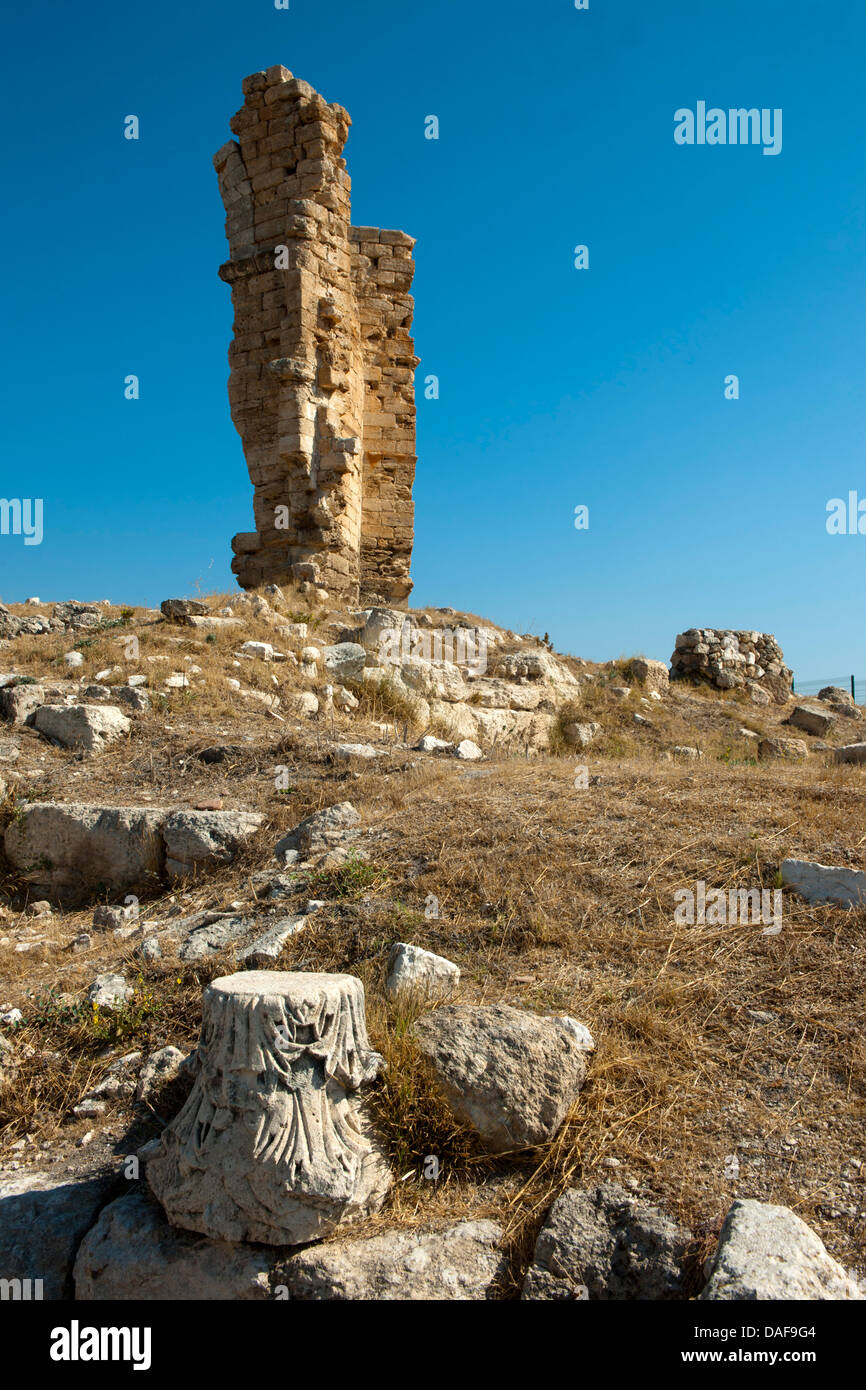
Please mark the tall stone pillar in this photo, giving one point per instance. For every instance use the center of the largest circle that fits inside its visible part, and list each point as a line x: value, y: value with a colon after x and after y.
x: 321, y: 361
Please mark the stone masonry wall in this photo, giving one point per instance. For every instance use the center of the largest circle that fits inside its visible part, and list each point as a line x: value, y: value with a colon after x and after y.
x: 382, y: 269
x: 321, y: 363
x: 730, y: 659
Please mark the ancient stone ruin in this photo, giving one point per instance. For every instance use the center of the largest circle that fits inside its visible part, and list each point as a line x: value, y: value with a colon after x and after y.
x: 273, y: 1144
x: 729, y: 659
x: 322, y: 363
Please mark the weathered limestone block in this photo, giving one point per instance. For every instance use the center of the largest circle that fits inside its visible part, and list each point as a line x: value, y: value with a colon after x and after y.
x: 414, y: 971
x: 653, y: 675
x: 70, y: 851
x: 303, y: 704
x: 75, y: 615
x: 825, y: 883
x: 161, y: 1068
x: 421, y: 710
x: 840, y: 702
x: 345, y: 661
x: 109, y: 992
x: 88, y: 727
x: 196, y: 841
x: 435, y: 680
x: 321, y: 831
x: 757, y: 694
x: 133, y: 696
x: 767, y: 1252
x: 461, y: 1262
x: 430, y: 744
x: 511, y: 1075
x: 813, y: 721
x: 265, y: 951
x: 346, y: 752
x: 133, y: 1253
x: 836, y: 695
x: 213, y: 623
x: 457, y: 720
x: 19, y: 701
x: 491, y: 693
x: 514, y: 728
x: 209, y: 933
x: 177, y: 610
x: 790, y: 749
x: 379, y: 622
x: 580, y: 735
x: 273, y: 1144
x: 536, y: 666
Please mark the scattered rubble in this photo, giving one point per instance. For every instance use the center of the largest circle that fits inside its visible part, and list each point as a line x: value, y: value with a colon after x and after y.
x: 823, y: 883
x: 414, y: 971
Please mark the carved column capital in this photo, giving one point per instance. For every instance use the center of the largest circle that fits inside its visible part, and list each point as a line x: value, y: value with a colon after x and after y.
x: 273, y: 1144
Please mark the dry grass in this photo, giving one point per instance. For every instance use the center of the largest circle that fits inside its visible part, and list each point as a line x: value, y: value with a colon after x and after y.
x: 551, y: 897
x: 385, y: 702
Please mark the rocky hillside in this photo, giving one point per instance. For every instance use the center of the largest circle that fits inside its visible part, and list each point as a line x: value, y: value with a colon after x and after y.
x: 589, y: 1071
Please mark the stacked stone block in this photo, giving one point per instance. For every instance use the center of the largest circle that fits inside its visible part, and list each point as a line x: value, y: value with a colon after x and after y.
x: 382, y: 269
x: 321, y: 381
x: 730, y: 659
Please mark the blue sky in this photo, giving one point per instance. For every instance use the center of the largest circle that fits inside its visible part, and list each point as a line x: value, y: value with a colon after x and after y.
x: 558, y: 387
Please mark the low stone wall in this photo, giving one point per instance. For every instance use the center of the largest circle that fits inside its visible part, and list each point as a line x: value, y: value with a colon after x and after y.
x: 72, y: 852
x: 728, y: 659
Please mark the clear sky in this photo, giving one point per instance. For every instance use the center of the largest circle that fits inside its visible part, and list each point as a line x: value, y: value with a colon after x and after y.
x: 558, y: 387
